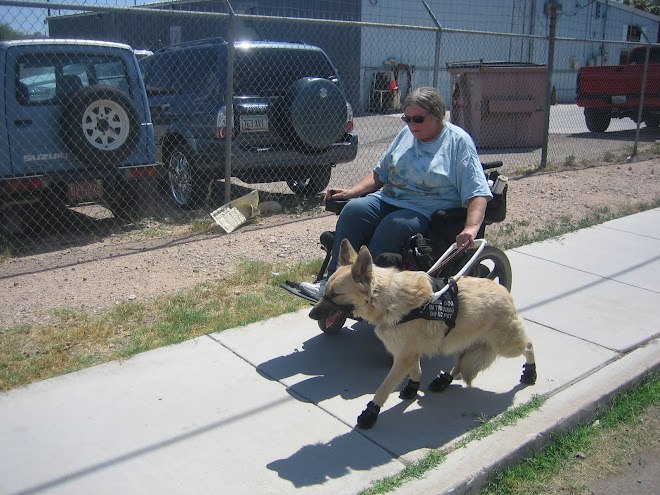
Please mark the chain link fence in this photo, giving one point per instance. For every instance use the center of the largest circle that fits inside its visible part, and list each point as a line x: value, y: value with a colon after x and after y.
x: 96, y: 143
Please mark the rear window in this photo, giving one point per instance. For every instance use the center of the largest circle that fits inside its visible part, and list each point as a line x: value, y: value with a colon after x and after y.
x: 180, y: 72
x: 48, y: 78
x: 264, y: 71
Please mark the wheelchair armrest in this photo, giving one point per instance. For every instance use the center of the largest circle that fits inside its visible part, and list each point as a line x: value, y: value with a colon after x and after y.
x: 452, y: 213
x: 335, y: 205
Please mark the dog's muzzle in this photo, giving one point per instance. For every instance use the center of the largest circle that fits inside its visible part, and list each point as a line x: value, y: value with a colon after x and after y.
x: 344, y: 308
x: 328, y: 310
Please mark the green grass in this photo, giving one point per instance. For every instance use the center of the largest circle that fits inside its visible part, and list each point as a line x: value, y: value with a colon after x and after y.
x: 73, y: 339
x: 533, y: 475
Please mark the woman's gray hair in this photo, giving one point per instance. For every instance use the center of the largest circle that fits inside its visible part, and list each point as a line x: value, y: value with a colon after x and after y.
x: 428, y: 99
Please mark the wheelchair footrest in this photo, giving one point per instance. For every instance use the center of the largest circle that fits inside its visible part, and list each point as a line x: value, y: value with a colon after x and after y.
x: 294, y: 288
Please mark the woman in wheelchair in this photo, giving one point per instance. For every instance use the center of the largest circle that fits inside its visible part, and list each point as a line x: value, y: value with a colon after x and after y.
x: 431, y: 165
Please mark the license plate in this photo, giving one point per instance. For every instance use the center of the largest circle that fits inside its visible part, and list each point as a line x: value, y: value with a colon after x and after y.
x: 85, y: 190
x: 254, y: 123
x: 619, y: 100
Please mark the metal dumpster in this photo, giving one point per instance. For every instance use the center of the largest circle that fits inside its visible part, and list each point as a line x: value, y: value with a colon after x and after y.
x: 501, y: 104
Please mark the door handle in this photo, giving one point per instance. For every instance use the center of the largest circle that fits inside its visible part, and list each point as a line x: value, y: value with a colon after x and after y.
x: 21, y: 123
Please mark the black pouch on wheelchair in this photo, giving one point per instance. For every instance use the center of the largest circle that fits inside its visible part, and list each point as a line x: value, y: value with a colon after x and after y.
x: 496, y: 207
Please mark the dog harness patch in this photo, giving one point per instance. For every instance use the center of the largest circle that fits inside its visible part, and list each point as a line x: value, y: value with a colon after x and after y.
x: 444, y: 308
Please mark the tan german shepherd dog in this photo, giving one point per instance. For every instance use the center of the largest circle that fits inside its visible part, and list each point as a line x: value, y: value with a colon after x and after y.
x: 487, y: 324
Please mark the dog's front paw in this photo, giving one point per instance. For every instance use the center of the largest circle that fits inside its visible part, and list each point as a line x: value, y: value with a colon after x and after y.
x: 529, y: 374
x: 410, y: 390
x: 368, y: 417
x: 441, y: 382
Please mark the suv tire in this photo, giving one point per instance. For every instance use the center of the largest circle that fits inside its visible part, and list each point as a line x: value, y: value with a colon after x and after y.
x: 121, y: 197
x: 100, y: 125
x: 308, y: 181
x: 312, y: 97
x: 186, y: 184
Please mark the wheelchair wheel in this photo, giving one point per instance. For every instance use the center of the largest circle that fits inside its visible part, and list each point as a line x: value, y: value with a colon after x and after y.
x: 335, y: 327
x: 492, y: 263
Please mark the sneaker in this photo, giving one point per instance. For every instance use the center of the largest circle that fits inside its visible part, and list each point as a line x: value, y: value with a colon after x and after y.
x: 315, y: 290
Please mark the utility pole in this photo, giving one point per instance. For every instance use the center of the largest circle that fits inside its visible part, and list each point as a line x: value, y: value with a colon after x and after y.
x: 552, y: 8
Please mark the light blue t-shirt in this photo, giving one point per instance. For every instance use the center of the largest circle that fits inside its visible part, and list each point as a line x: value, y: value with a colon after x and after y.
x: 436, y: 175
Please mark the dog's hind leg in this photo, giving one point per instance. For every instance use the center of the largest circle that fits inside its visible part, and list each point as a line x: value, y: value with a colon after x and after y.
x: 444, y: 379
x: 401, y: 366
x: 441, y: 382
x: 475, y: 359
x: 529, y: 368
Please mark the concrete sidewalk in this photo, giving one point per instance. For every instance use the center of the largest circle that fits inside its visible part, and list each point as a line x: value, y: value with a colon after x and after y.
x: 271, y: 407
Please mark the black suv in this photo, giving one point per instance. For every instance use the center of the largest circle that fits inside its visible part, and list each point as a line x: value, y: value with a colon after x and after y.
x: 292, y: 121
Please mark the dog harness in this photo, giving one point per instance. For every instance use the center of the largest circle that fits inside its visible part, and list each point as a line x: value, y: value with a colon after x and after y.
x: 443, y: 308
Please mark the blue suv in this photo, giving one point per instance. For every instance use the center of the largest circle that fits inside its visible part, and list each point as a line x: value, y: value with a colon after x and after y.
x: 291, y: 119
x: 76, y: 125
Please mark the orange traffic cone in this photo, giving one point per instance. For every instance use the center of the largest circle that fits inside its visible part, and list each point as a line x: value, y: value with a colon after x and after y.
x: 393, y: 81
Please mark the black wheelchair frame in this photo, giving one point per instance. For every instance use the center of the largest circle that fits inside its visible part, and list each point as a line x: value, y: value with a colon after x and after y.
x: 424, y: 249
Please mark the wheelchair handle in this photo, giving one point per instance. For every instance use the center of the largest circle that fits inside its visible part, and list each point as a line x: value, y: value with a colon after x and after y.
x: 481, y: 244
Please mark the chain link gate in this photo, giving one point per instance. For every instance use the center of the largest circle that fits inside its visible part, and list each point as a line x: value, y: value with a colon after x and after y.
x: 365, y: 57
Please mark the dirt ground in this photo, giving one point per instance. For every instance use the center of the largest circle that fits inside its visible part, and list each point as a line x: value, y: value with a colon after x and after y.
x: 135, y: 266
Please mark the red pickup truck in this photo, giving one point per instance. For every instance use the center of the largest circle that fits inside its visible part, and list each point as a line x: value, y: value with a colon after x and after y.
x: 613, y: 91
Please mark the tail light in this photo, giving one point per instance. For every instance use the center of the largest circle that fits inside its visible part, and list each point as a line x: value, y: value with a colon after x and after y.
x: 25, y: 184
x: 349, y: 117
x: 221, y: 124
x: 143, y: 172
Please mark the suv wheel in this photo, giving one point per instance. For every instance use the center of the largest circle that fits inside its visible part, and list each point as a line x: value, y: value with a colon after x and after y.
x: 186, y: 185
x: 309, y: 181
x: 100, y: 125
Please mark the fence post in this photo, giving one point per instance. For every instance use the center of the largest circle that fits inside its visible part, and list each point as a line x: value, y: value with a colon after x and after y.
x: 641, y: 100
x: 553, y: 7
x: 229, y: 102
x: 438, y: 45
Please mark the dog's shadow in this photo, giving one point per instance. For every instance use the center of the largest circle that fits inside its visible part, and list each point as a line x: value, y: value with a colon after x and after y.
x: 349, y: 364
x: 353, y: 364
x: 441, y: 419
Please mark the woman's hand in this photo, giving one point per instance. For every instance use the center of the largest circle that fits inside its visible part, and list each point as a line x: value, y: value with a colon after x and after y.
x: 467, y: 236
x: 337, y: 194
x: 369, y: 183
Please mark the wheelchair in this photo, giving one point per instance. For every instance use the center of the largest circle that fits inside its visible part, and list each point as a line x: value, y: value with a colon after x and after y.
x: 423, y: 249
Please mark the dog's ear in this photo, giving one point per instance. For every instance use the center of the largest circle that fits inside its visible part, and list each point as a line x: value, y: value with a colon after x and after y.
x: 362, y: 269
x: 347, y: 254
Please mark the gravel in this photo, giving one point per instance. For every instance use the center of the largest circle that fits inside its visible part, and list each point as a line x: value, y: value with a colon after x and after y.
x: 96, y: 276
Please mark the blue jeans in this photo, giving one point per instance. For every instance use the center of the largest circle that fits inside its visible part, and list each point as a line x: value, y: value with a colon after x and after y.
x: 383, y: 228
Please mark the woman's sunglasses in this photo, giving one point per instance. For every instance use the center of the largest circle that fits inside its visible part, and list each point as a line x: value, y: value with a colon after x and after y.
x: 417, y: 119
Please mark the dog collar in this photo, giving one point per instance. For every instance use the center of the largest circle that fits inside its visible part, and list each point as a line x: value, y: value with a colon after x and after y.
x: 443, y: 308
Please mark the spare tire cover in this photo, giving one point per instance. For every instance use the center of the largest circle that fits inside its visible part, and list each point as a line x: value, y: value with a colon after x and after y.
x: 100, y: 125
x: 318, y: 112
